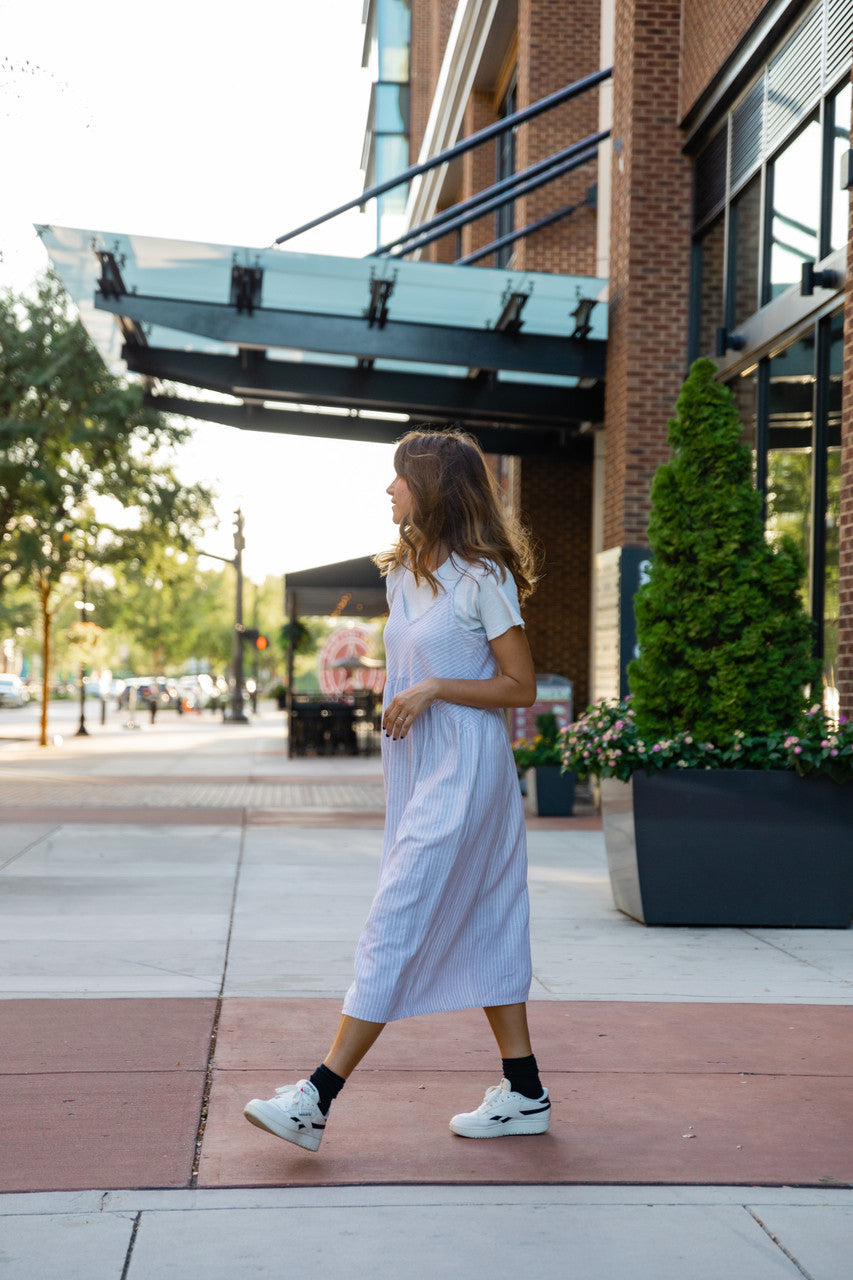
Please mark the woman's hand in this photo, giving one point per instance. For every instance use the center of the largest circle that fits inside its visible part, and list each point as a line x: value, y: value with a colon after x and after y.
x: 405, y: 707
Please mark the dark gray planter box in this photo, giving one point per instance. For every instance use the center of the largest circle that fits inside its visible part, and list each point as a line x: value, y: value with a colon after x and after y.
x: 730, y: 847
x: 550, y: 792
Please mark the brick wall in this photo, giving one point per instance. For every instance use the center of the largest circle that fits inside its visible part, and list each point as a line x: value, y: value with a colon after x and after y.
x: 650, y: 262
x: 431, y: 22
x: 555, y: 499
x: 712, y: 30
x: 557, y: 45
x: 478, y: 169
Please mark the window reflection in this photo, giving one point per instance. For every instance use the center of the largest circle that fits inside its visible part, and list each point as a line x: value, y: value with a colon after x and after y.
x: 840, y: 124
x: 789, y: 454
x: 746, y: 233
x: 833, y: 511
x: 796, y: 188
x: 504, y: 168
x: 745, y: 394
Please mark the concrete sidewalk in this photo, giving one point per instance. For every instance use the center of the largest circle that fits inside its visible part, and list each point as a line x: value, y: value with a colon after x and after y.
x: 155, y: 973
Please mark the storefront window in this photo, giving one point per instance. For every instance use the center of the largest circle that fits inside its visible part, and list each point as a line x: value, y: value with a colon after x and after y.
x: 745, y: 394
x: 789, y: 436
x: 795, y: 187
x: 505, y: 168
x: 711, y: 284
x: 840, y: 123
x: 833, y: 514
x: 746, y: 236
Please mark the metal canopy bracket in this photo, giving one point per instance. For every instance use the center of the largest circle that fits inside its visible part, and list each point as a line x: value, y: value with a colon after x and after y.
x: 246, y: 285
x: 380, y: 291
x: 509, y: 320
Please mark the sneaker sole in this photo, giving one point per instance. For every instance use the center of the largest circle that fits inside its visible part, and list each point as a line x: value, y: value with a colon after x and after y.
x: 511, y: 1129
x: 269, y: 1124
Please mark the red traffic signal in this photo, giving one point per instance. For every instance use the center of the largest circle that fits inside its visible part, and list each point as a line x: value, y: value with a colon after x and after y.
x: 255, y: 637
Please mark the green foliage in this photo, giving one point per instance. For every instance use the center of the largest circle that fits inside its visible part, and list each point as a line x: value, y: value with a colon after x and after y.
x: 725, y: 645
x: 71, y: 432
x: 86, y: 469
x: 303, y: 638
x: 607, y: 743
x: 545, y: 748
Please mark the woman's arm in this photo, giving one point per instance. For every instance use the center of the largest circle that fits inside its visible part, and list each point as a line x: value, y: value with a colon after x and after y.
x: 513, y: 686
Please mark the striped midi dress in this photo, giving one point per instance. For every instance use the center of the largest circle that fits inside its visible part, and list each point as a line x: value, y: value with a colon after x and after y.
x: 449, y: 925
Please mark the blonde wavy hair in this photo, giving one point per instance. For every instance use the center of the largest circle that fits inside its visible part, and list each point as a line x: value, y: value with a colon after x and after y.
x: 455, y: 504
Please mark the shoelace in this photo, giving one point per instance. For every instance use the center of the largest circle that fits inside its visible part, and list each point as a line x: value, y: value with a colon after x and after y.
x: 302, y: 1102
x: 489, y: 1098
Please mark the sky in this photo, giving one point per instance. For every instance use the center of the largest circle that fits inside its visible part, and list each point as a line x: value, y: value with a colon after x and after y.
x: 215, y: 122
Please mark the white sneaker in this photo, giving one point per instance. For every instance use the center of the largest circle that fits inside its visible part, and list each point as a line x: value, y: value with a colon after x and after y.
x: 503, y: 1113
x: 294, y: 1114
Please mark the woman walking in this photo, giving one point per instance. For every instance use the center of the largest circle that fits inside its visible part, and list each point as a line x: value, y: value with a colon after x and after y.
x: 448, y: 928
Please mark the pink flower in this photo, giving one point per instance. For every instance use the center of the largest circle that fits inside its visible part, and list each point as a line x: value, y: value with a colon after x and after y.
x: 834, y: 751
x: 798, y: 751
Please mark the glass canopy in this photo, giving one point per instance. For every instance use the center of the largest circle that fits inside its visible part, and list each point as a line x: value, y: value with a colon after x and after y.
x: 380, y: 317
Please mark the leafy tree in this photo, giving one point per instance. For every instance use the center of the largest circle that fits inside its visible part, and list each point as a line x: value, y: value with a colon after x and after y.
x: 72, y: 435
x: 724, y: 642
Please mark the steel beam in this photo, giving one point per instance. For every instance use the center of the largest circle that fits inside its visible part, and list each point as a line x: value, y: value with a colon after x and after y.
x: 515, y: 441
x: 343, y: 335
x: 377, y: 390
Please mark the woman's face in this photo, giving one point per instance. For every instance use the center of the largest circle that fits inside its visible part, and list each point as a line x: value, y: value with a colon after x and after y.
x: 401, y: 499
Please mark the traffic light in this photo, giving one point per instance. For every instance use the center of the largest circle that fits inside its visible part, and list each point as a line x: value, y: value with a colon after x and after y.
x: 255, y: 638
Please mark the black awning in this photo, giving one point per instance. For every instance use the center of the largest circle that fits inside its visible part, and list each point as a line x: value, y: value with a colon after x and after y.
x: 350, y: 588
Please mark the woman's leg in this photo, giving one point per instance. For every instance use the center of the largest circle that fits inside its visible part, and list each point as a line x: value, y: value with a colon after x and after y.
x: 519, y: 1104
x: 354, y: 1038
x: 509, y: 1024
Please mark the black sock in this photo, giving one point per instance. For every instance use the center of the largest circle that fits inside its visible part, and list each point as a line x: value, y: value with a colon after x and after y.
x: 328, y: 1085
x: 523, y: 1076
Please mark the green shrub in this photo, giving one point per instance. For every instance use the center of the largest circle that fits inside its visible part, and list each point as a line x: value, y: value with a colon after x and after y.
x: 724, y: 642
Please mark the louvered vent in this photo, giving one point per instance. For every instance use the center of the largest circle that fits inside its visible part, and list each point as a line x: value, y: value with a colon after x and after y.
x: 839, y: 37
x: 709, y: 178
x: 747, y: 121
x: 794, y: 79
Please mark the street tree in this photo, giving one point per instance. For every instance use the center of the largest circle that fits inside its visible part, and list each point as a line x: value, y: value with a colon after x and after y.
x: 72, y: 435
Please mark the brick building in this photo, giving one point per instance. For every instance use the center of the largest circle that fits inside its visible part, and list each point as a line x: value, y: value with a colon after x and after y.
x: 729, y: 126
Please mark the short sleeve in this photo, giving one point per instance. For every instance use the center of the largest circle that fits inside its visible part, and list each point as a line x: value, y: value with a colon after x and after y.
x: 392, y: 581
x: 484, y: 601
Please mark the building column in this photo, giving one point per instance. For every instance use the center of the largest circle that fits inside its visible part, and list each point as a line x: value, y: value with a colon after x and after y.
x: 650, y: 232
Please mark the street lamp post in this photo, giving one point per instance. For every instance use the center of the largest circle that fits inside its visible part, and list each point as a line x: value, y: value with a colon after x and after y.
x: 85, y: 607
x: 236, y: 715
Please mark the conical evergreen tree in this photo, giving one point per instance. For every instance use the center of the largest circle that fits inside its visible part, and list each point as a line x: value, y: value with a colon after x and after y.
x: 724, y: 642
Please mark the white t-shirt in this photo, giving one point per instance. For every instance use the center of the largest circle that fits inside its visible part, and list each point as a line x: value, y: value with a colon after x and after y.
x: 482, y: 601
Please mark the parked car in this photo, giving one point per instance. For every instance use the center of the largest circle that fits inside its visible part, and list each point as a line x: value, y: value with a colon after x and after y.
x: 13, y: 692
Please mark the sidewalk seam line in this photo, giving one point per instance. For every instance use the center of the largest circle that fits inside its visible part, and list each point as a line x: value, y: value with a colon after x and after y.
x: 35, y: 843
x: 807, y: 1275
x: 134, y: 1232
x: 208, y: 1079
